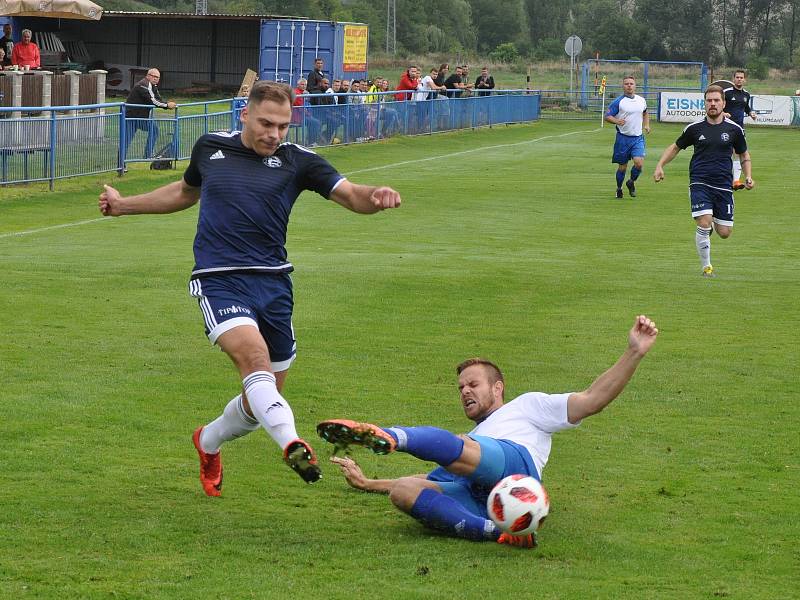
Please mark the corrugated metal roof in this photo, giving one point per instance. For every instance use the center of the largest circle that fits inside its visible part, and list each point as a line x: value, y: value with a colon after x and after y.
x: 167, y: 15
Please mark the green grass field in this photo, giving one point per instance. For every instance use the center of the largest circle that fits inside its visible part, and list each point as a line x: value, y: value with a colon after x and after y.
x: 508, y: 245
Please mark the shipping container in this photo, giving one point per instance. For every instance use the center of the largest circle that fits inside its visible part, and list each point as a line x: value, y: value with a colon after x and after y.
x: 289, y: 47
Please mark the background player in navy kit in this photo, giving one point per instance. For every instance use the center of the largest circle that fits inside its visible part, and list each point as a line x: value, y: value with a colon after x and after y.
x: 248, y: 182
x: 628, y: 113
x: 713, y: 138
x: 738, y: 104
x: 508, y: 438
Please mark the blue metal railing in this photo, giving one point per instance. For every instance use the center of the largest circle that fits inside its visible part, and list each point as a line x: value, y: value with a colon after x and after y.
x: 49, y: 143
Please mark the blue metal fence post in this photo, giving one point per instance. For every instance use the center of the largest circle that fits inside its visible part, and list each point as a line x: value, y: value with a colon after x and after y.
x: 52, y: 149
x: 176, y: 135
x: 646, y: 78
x: 703, y: 77
x: 123, y: 139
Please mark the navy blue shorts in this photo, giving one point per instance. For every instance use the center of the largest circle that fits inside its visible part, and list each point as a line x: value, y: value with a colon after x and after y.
x: 707, y: 200
x: 626, y: 147
x: 499, y: 459
x: 260, y: 300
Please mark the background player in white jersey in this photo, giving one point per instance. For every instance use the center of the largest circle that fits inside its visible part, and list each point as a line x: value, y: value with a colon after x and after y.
x: 710, y: 178
x: 738, y: 104
x: 248, y: 183
x: 509, y: 438
x: 629, y: 113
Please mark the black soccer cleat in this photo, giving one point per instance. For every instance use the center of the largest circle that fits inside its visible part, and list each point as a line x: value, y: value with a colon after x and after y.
x: 631, y: 188
x: 300, y: 457
x: 619, y: 192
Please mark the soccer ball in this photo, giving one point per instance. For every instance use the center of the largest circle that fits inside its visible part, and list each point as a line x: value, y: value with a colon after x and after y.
x: 518, y: 504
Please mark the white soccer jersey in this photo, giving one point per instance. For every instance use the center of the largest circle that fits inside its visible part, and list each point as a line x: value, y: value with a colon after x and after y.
x: 630, y: 109
x: 529, y: 420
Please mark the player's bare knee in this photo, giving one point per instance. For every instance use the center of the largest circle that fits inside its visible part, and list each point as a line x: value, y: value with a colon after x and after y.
x: 250, y: 360
x: 405, y: 491
x: 724, y: 232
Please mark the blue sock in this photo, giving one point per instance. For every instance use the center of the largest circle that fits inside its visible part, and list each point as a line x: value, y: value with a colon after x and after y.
x: 620, y: 178
x: 428, y: 443
x: 438, y: 511
x: 635, y: 173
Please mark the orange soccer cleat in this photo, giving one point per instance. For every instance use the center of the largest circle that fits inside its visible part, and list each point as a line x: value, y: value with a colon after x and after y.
x: 521, y: 541
x: 210, y: 467
x: 343, y: 433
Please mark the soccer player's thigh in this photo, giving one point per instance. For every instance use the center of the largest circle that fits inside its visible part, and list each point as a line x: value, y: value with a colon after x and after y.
x: 622, y: 152
x: 499, y: 458
x: 702, y: 204
x: 462, y: 494
x: 274, y: 307
x: 723, y: 212
x: 223, y: 304
x: 638, y: 152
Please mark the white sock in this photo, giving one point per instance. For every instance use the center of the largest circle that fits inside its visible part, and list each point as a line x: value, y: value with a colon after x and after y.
x: 233, y: 423
x: 702, y: 239
x: 737, y: 169
x: 270, y: 408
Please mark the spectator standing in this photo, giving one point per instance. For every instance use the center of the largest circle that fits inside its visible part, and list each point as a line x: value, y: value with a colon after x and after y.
x: 441, y: 74
x: 429, y: 86
x: 314, y: 79
x: 26, y: 53
x: 2, y: 59
x: 7, y: 45
x: 455, y: 84
x: 408, y: 83
x: 145, y: 94
x: 302, y: 116
x: 484, y: 84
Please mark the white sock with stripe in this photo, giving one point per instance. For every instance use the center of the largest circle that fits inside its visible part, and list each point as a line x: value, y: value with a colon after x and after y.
x: 233, y: 423
x: 702, y: 239
x: 270, y: 408
x: 737, y: 169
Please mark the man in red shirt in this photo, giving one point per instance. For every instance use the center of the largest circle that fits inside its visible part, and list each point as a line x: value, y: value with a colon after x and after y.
x: 408, y: 81
x: 26, y: 53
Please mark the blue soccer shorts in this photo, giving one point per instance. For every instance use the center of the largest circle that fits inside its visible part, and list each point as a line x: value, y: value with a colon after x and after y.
x: 499, y: 459
x: 259, y: 300
x: 707, y: 200
x: 626, y: 147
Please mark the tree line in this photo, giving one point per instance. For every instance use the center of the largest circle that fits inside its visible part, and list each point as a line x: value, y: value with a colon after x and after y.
x: 753, y: 33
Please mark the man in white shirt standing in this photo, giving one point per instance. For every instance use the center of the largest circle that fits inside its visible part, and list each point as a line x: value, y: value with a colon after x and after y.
x: 509, y: 438
x: 629, y: 113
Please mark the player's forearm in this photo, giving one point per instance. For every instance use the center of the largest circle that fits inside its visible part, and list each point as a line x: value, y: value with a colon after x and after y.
x: 744, y: 160
x: 607, y: 386
x: 611, y: 119
x: 357, y: 198
x: 169, y: 198
x: 669, y: 154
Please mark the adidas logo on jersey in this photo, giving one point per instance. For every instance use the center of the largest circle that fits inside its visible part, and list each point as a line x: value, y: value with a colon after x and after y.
x: 218, y: 154
x: 702, y: 137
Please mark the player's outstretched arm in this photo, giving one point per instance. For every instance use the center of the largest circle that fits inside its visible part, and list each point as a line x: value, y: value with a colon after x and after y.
x: 670, y: 153
x: 747, y: 169
x: 166, y: 199
x: 355, y: 477
x: 365, y: 199
x: 608, y: 386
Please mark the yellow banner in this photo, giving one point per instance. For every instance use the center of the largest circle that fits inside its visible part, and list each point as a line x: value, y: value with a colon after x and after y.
x: 356, y: 38
x: 602, y: 86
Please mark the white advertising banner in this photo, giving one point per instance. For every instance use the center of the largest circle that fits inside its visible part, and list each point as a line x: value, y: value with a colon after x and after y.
x: 685, y: 107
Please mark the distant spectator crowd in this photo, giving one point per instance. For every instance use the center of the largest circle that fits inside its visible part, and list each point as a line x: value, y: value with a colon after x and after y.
x: 317, y: 91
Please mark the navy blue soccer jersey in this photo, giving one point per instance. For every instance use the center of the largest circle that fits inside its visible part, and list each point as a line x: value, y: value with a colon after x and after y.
x: 245, y: 201
x: 737, y: 103
x: 711, y: 162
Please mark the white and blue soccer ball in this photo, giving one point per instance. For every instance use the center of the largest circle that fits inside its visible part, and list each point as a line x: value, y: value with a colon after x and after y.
x: 518, y: 504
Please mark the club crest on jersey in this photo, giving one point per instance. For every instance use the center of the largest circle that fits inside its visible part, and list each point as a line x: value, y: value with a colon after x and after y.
x: 272, y: 161
x: 725, y: 137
